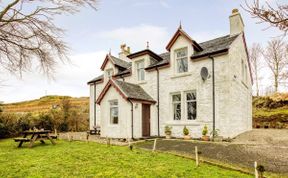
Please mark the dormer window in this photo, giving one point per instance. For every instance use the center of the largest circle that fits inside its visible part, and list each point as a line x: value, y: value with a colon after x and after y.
x: 181, y: 57
x: 140, y: 70
x: 109, y: 73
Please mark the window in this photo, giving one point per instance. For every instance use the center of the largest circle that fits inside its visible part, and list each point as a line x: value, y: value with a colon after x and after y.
x: 191, y: 105
x: 114, y: 112
x: 109, y: 73
x: 181, y: 60
x: 176, y: 100
x: 140, y: 70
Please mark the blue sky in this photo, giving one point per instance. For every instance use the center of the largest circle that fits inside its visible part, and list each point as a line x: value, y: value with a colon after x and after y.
x: 91, y: 34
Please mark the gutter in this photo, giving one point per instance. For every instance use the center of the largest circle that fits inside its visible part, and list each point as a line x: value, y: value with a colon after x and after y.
x: 132, y: 118
x: 158, y: 100
x: 213, y: 93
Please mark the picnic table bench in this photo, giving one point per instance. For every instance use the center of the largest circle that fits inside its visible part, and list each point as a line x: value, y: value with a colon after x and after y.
x: 38, y: 135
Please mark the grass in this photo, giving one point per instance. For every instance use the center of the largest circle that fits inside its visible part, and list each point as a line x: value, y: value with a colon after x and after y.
x: 80, y: 159
x: 269, y: 112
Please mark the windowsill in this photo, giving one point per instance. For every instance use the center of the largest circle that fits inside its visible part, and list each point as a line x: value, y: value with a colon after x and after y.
x: 113, y: 125
x: 186, y: 122
x: 184, y: 74
x: 141, y: 82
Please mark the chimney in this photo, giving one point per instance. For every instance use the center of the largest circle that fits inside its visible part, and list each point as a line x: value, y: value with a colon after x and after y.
x: 124, y: 53
x: 236, y: 22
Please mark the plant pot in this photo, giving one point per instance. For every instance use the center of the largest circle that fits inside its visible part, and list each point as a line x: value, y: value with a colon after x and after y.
x: 168, y: 136
x: 187, y: 137
x: 205, y: 138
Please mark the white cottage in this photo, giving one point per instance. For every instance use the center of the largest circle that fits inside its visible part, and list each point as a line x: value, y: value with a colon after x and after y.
x: 140, y: 93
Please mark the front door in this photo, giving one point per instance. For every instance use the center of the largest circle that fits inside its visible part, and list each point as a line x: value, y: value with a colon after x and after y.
x: 145, y: 120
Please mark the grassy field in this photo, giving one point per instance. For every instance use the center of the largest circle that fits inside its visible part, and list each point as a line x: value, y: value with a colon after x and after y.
x: 80, y: 159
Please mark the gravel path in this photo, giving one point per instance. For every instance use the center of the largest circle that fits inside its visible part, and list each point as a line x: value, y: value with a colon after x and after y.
x: 268, y: 147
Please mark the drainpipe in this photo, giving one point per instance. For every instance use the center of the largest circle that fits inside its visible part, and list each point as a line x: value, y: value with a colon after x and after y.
x: 158, y: 100
x: 213, y: 94
x: 132, y: 118
x: 95, y: 104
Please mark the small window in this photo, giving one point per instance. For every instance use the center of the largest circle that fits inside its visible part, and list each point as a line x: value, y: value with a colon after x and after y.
x: 109, y: 73
x: 114, y: 112
x: 191, y: 105
x: 140, y: 70
x: 176, y: 100
x: 181, y: 60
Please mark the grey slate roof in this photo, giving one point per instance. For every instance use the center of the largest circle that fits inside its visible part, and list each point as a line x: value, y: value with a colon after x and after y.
x: 133, y: 91
x: 96, y: 79
x: 215, y: 45
x: 209, y: 47
x: 120, y: 62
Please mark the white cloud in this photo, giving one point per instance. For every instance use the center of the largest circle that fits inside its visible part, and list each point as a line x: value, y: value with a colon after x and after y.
x: 70, y: 79
x: 137, y: 36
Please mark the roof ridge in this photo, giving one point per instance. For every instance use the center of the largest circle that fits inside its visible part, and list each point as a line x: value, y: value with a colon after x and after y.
x: 217, y: 38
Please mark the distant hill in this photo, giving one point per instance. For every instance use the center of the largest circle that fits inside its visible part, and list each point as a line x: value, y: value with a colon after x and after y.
x: 45, y: 103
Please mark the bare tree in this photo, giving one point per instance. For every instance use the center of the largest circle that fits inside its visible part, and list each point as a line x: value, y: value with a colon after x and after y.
x: 274, y: 16
x: 29, y: 37
x: 255, y: 55
x: 275, y: 56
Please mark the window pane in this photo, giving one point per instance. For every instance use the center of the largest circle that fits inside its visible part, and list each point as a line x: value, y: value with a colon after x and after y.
x: 114, y: 112
x: 191, y: 96
x: 182, y: 65
x: 191, y: 110
x: 181, y: 53
x: 177, y: 97
x: 177, y: 111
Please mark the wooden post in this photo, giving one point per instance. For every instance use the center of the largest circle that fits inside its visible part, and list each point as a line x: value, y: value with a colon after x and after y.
x: 256, y: 171
x: 68, y: 135
x: 154, y: 146
x: 196, y: 156
x: 87, y: 137
x: 108, y: 141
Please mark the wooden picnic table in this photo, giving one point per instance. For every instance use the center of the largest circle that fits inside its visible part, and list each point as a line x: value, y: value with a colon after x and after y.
x: 39, y: 135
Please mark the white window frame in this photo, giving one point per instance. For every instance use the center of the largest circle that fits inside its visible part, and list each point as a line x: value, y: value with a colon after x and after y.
x: 174, y: 107
x: 140, y: 70
x: 112, y: 105
x: 109, y: 73
x: 181, y: 58
x: 190, y: 101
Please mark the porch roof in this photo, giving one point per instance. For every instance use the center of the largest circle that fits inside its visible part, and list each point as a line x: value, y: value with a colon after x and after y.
x: 128, y: 91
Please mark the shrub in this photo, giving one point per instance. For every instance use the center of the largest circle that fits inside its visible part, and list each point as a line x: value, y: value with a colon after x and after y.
x: 185, y: 131
x: 205, y: 130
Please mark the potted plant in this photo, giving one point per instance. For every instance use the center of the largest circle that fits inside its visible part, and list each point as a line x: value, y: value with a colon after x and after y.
x: 204, y: 133
x: 168, y: 131
x: 186, y: 133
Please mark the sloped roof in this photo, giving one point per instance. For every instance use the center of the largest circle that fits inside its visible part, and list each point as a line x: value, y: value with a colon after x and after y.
x: 181, y: 32
x: 120, y: 62
x: 216, y: 45
x: 127, y: 90
x: 100, y: 77
x: 165, y: 61
x: 116, y: 61
x: 213, y: 46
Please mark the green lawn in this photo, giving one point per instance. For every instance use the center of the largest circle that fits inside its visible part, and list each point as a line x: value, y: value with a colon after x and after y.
x: 80, y: 159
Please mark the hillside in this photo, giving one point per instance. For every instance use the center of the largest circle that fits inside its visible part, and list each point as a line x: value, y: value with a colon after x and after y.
x: 271, y: 111
x: 45, y: 103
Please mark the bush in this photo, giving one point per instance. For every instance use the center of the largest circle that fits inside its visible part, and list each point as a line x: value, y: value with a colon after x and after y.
x: 205, y: 130
x: 185, y: 131
x: 168, y: 130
